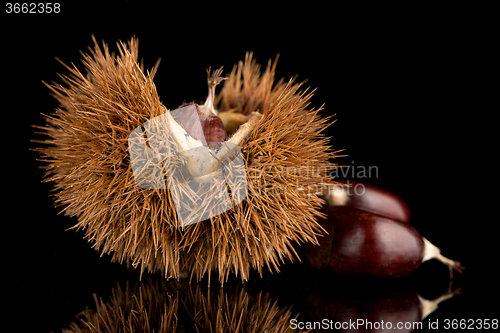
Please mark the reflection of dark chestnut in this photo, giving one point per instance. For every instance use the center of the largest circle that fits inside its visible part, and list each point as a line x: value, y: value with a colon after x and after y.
x: 370, y: 311
x: 361, y: 242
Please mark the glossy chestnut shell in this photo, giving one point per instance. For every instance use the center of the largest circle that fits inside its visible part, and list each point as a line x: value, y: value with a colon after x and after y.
x: 207, y: 129
x: 375, y: 200
x: 363, y: 243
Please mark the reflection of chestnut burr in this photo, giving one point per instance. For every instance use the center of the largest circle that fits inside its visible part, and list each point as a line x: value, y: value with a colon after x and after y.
x: 166, y: 307
x: 363, y: 242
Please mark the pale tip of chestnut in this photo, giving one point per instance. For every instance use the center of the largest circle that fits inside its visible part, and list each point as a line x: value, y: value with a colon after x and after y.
x: 337, y: 196
x: 433, y: 252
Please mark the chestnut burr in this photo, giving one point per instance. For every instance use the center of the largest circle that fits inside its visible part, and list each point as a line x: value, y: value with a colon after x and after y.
x: 173, y: 191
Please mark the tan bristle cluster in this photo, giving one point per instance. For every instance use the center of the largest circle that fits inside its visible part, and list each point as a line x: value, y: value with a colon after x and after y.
x: 154, y: 307
x: 148, y: 308
x: 287, y: 160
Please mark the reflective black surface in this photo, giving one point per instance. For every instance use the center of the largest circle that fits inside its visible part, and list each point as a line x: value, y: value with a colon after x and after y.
x: 399, y: 89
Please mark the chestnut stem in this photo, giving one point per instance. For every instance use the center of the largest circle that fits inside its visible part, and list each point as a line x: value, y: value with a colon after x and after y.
x: 212, y: 80
x: 431, y: 251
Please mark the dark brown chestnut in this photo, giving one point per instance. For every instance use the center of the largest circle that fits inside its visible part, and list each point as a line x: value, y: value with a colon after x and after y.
x: 207, y: 128
x: 369, y: 244
x: 369, y: 198
x: 363, y: 243
x: 202, y: 122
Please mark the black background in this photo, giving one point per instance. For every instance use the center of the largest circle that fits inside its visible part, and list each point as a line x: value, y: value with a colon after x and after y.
x: 408, y: 87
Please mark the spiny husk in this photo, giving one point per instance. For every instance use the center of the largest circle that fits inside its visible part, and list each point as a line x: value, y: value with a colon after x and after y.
x: 155, y: 307
x: 148, y: 308
x: 287, y: 160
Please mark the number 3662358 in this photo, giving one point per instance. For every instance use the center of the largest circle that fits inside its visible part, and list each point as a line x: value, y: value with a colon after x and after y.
x: 33, y: 8
x: 471, y: 324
